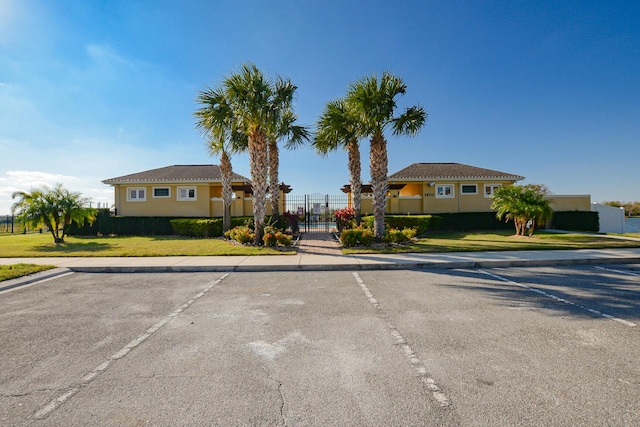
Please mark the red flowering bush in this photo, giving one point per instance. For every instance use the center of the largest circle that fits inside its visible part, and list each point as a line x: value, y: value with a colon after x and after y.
x: 345, y: 218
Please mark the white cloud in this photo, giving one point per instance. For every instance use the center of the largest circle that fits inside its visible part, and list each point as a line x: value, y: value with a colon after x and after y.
x: 28, y: 180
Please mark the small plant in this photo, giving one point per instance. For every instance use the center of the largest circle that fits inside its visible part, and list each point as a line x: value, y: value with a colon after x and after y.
x: 345, y: 218
x: 356, y: 237
x: 273, y: 236
x: 241, y: 234
x: 284, y: 239
x: 394, y: 235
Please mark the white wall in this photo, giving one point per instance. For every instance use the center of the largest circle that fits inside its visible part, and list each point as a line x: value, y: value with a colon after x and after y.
x: 611, y: 218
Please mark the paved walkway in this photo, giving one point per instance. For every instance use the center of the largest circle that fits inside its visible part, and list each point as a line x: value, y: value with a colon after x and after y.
x: 318, y: 244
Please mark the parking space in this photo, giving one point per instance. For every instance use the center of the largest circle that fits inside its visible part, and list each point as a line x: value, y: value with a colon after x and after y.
x: 508, y: 346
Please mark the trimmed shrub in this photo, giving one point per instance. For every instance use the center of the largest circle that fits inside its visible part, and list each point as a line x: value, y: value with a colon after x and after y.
x: 420, y: 223
x: 356, y: 237
x: 395, y: 235
x: 241, y: 234
x: 197, y: 227
x: 576, y: 221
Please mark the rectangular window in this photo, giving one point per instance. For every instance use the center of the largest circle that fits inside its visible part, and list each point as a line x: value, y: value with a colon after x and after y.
x: 136, y: 195
x: 161, y: 192
x: 469, y: 189
x: 444, y: 191
x: 187, y: 193
x: 490, y: 188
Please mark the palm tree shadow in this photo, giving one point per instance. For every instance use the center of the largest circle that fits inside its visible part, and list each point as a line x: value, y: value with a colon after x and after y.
x: 69, y: 248
x: 574, y: 297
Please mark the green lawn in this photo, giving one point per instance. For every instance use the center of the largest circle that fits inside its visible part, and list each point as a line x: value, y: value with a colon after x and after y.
x: 18, y: 270
x: 41, y: 245
x: 499, y: 241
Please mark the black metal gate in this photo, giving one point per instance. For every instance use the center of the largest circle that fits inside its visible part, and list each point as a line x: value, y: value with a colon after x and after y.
x: 316, y: 212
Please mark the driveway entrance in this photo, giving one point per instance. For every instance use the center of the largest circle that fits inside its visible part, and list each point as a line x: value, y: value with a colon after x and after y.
x: 316, y: 211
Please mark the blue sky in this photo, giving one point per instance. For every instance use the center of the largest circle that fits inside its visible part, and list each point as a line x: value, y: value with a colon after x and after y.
x: 91, y: 90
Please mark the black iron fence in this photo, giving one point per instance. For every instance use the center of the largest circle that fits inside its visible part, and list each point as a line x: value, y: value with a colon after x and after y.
x: 8, y: 224
x: 316, y: 211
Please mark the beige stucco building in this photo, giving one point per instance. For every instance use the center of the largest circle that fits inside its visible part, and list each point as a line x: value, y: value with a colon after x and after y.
x: 183, y: 191
x: 432, y: 188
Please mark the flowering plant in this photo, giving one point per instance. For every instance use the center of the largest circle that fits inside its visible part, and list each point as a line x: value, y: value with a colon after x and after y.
x: 345, y: 218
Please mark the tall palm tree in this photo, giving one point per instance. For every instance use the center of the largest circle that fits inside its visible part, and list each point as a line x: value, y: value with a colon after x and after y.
x: 257, y: 102
x: 337, y: 128
x: 374, y: 103
x: 295, y: 135
x: 215, y: 118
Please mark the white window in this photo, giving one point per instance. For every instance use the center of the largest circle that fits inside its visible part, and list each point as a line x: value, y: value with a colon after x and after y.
x: 490, y: 188
x: 136, y: 194
x: 468, y: 189
x: 444, y: 191
x: 187, y: 193
x: 161, y: 192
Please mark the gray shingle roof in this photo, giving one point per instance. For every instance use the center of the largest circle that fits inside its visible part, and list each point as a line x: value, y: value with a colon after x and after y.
x: 420, y: 171
x: 175, y: 173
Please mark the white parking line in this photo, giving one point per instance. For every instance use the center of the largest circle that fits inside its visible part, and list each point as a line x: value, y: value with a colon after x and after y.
x: 58, y: 401
x: 423, y: 373
x: 628, y: 273
x: 559, y: 299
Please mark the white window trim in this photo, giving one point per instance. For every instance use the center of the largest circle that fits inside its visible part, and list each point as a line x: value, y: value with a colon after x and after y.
x: 448, y: 196
x: 137, y: 190
x: 493, y: 188
x: 153, y: 193
x: 468, y: 185
x: 187, y: 199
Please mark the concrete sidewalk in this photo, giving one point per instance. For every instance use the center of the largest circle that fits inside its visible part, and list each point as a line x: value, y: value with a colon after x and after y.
x: 315, y: 262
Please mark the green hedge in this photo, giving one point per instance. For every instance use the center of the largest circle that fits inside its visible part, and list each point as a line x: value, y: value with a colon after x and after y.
x: 576, y: 221
x: 106, y: 224
x: 472, y: 221
x: 421, y: 223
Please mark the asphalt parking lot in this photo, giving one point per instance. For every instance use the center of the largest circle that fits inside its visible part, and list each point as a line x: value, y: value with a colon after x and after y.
x: 469, y: 347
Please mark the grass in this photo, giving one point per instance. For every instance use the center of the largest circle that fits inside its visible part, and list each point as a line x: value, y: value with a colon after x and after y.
x: 41, y: 245
x: 18, y: 270
x: 498, y: 241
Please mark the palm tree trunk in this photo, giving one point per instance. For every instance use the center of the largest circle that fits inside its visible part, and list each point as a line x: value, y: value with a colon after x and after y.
x: 258, y: 166
x: 274, y: 188
x: 378, y: 163
x: 226, y: 170
x: 356, y: 179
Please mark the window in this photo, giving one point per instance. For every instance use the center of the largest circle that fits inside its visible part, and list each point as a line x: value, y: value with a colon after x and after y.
x: 136, y: 195
x: 444, y: 191
x: 161, y: 192
x: 469, y: 189
x: 490, y: 188
x: 187, y: 193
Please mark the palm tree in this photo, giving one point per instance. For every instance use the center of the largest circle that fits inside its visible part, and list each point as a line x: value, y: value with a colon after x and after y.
x: 525, y: 205
x: 295, y: 135
x: 215, y: 118
x: 374, y: 103
x: 257, y: 103
x: 337, y: 127
x: 54, y: 208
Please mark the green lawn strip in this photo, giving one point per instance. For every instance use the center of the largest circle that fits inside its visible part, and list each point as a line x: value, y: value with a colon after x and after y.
x: 498, y: 241
x: 13, y: 271
x: 37, y: 245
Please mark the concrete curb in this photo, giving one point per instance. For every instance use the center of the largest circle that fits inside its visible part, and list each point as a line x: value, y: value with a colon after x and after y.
x: 32, y: 278
x: 355, y: 266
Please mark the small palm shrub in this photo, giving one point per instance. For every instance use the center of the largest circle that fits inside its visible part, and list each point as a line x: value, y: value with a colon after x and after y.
x: 356, y: 237
x: 241, y: 234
